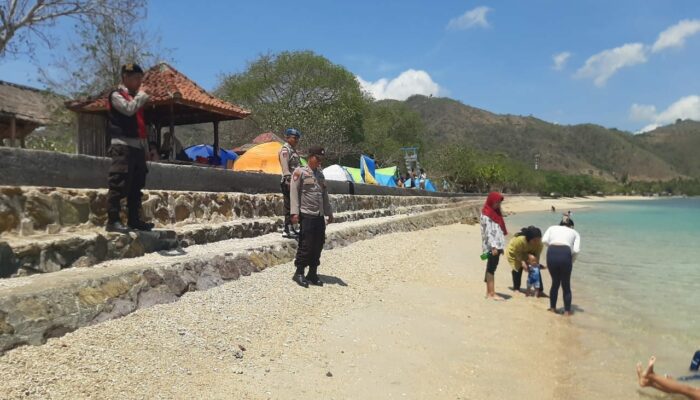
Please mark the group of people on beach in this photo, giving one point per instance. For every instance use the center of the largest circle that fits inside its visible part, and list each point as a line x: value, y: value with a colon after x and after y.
x: 563, y: 245
x: 523, y: 253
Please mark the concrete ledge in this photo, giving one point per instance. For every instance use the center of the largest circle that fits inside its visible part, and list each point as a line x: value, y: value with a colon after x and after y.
x: 23, y: 167
x: 34, y: 309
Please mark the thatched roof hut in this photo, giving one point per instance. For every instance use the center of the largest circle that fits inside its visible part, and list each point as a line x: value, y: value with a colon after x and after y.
x: 22, y: 110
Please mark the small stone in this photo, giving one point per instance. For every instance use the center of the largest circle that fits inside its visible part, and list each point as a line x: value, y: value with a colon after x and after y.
x: 26, y: 227
x: 53, y: 229
x: 329, y: 374
x: 240, y: 346
x: 238, y: 354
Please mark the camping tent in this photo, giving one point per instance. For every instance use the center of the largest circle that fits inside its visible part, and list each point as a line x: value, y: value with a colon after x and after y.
x: 337, y: 173
x: 261, y: 158
x: 429, y: 186
x: 206, y: 151
x: 385, y: 180
x: 355, y: 173
x: 367, y: 167
x: 386, y: 176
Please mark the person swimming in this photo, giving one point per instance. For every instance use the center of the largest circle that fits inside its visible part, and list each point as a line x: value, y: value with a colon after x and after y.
x: 648, y: 378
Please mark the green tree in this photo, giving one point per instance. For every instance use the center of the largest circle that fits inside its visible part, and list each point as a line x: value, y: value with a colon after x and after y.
x: 388, y: 126
x: 302, y: 90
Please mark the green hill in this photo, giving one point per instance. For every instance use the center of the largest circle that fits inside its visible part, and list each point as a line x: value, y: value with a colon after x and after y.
x: 578, y: 149
x: 677, y: 144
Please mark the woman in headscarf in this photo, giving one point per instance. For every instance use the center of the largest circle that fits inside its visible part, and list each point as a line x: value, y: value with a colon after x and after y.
x: 527, y: 241
x: 493, y: 231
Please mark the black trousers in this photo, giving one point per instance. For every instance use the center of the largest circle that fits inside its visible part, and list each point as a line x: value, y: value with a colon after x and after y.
x: 518, y: 278
x: 287, y: 205
x: 492, y: 264
x: 311, y: 240
x: 560, y: 265
x: 127, y: 176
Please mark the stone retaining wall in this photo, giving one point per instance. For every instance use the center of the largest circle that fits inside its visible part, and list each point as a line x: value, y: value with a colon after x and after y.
x: 37, y: 308
x: 48, y: 210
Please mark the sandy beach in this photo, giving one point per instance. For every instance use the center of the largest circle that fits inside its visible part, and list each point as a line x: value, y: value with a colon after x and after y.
x: 389, y: 323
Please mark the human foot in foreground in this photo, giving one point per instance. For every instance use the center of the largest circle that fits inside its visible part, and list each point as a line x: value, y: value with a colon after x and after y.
x: 648, y: 378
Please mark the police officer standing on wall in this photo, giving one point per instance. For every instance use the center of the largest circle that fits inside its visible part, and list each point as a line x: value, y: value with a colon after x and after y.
x: 128, y: 149
x: 309, y: 206
x: 289, y: 161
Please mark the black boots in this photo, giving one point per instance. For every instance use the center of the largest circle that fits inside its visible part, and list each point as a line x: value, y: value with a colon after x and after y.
x: 116, y: 226
x: 300, y: 280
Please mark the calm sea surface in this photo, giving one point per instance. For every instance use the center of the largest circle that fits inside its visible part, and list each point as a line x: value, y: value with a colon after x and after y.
x: 636, y: 285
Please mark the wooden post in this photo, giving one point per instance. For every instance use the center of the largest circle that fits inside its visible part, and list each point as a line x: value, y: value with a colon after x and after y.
x: 172, y: 132
x: 216, y: 139
x: 13, y: 131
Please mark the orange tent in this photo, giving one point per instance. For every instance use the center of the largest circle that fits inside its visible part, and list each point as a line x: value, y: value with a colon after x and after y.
x: 261, y: 158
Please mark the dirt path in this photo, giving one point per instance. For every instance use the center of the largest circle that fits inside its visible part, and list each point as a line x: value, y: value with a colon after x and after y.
x: 391, y: 323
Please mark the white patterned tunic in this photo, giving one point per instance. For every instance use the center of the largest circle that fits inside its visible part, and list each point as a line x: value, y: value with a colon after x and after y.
x: 491, y: 235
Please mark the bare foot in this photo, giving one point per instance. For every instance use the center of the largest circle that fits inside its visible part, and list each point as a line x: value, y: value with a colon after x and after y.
x: 552, y: 310
x: 643, y: 380
x: 569, y: 313
x: 494, y: 297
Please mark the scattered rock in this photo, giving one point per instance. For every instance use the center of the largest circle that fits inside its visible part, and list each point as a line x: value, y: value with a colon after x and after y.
x: 26, y: 227
x: 329, y: 374
x: 53, y: 229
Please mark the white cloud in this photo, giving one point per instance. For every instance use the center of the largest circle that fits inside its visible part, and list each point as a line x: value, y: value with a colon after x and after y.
x: 408, y: 83
x: 560, y: 60
x: 676, y: 35
x: 687, y: 107
x: 475, y: 18
x: 641, y: 112
x: 600, y: 67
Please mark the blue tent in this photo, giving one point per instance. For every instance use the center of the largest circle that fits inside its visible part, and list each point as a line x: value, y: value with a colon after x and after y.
x: 429, y: 186
x: 207, y: 151
x: 385, y: 180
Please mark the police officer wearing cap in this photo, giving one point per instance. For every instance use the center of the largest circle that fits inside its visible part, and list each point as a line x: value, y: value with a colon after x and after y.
x: 129, y: 150
x: 309, y: 206
x: 289, y: 161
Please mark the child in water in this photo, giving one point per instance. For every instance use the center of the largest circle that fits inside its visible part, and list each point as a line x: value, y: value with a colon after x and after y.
x: 533, y: 276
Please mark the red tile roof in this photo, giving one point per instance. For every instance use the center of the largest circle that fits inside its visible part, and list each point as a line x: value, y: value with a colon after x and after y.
x: 166, y: 85
x: 260, y: 139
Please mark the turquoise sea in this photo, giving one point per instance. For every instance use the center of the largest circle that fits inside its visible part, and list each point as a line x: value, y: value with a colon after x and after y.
x: 636, y: 286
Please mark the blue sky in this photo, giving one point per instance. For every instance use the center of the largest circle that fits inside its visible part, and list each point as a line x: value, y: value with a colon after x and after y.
x: 495, y: 55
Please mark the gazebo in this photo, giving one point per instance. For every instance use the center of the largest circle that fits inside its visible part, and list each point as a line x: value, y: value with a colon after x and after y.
x: 174, y: 100
x: 22, y: 110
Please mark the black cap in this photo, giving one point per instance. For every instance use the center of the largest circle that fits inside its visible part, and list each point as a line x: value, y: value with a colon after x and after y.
x: 132, y: 68
x: 317, y: 151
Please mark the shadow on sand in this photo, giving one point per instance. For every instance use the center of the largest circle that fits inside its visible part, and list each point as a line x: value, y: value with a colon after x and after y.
x: 332, y: 280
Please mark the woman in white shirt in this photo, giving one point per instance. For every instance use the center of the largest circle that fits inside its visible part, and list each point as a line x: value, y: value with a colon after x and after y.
x: 563, y: 244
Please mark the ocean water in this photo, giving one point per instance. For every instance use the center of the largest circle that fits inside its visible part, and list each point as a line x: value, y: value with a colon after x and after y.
x: 636, y: 287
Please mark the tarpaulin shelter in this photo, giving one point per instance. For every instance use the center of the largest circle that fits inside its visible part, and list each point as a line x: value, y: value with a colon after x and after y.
x: 355, y: 173
x: 261, y: 158
x: 367, y: 167
x: 337, y: 173
x: 207, y: 151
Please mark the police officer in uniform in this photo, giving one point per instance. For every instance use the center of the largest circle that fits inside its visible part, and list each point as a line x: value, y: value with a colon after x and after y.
x: 128, y: 149
x: 289, y: 161
x: 310, y: 206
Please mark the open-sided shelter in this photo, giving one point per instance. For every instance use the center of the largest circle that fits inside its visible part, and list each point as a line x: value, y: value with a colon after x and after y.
x: 174, y: 100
